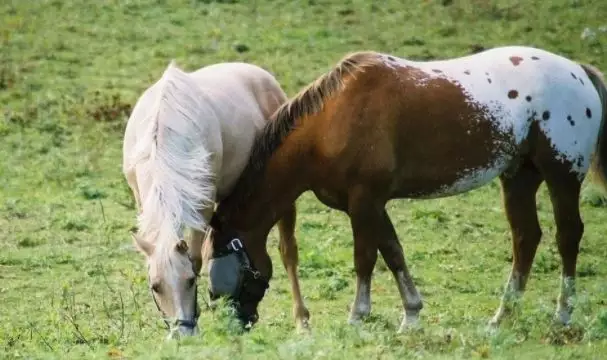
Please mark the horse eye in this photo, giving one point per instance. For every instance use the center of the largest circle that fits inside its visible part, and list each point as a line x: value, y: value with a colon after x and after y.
x: 156, y: 288
x: 191, y: 282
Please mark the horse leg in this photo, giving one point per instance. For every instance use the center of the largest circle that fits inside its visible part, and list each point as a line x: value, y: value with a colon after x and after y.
x: 392, y: 252
x: 564, y: 189
x: 518, y: 192
x: 289, y: 255
x: 363, y: 213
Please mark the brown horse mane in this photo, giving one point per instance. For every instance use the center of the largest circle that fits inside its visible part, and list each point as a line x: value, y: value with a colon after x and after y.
x: 308, y: 101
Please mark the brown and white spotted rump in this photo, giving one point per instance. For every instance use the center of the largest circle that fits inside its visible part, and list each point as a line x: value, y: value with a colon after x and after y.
x: 497, y: 110
x: 377, y: 127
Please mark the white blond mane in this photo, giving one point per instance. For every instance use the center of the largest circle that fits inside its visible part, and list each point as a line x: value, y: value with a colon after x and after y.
x: 172, y: 161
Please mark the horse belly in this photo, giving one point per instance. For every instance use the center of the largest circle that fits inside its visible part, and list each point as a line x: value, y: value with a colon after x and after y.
x: 468, y: 179
x: 455, y: 165
x: 467, y: 153
x: 463, y: 150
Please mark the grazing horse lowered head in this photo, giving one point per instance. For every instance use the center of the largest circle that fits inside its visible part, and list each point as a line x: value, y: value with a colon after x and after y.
x: 185, y: 144
x: 377, y: 127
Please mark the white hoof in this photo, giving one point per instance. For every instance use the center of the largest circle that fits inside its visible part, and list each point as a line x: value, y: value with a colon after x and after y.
x: 303, y: 327
x: 563, y: 317
x: 410, y: 322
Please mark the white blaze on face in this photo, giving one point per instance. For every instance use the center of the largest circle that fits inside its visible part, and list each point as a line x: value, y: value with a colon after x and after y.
x: 175, y: 282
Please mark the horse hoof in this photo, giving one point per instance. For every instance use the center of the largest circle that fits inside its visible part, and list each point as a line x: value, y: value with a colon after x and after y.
x: 355, y: 320
x: 410, y: 321
x: 407, y: 328
x: 304, y: 327
x: 494, y: 322
x: 492, y: 327
x: 562, y: 318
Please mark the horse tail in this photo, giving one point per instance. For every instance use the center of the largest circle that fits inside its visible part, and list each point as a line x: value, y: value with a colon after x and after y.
x: 598, y: 166
x: 173, y: 159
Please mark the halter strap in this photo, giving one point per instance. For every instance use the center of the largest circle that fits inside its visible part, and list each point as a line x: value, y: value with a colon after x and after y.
x: 233, y: 246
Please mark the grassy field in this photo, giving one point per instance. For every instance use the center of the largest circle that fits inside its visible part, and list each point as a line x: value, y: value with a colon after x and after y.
x: 71, y: 284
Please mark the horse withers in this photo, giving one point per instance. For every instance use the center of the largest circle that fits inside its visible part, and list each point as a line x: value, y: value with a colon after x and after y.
x: 377, y: 127
x: 185, y: 144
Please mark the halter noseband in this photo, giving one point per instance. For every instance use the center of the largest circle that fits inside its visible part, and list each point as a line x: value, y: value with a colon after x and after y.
x: 190, y: 324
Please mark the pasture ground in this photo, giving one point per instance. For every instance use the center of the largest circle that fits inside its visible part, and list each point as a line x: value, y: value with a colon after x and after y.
x: 71, y: 285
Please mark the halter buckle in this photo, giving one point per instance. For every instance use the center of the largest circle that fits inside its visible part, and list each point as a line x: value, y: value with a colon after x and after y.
x: 235, y: 244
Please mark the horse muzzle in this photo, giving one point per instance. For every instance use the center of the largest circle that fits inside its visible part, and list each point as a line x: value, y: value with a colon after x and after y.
x: 232, y: 275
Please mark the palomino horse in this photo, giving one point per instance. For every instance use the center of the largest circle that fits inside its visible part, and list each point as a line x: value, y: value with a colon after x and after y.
x: 185, y: 145
x: 377, y: 127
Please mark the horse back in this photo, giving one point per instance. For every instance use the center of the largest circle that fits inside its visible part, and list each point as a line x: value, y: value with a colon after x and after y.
x: 244, y: 96
x: 444, y: 127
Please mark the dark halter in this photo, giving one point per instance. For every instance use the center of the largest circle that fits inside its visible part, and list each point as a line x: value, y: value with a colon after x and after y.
x: 252, y: 287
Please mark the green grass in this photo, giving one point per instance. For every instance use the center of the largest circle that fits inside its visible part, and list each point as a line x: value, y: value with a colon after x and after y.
x: 71, y: 285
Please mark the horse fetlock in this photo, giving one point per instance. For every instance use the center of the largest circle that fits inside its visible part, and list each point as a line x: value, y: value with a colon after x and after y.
x: 564, y: 309
x: 362, y: 310
x: 301, y: 312
x: 359, y: 313
x: 495, y: 321
x: 510, y: 304
x: 566, y: 299
x: 511, y: 298
x: 500, y: 314
x: 416, y: 305
x: 301, y: 315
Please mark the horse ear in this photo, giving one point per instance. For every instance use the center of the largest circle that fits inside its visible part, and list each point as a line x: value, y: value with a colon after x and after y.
x: 145, y: 247
x: 181, y: 247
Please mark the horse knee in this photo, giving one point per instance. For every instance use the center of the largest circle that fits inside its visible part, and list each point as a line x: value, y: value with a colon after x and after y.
x: 569, y: 236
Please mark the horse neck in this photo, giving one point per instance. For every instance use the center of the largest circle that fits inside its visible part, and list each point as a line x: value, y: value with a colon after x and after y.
x: 176, y: 184
x: 283, y: 180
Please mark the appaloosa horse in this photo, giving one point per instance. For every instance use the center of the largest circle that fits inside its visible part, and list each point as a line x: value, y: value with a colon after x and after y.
x: 185, y: 145
x: 377, y: 127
